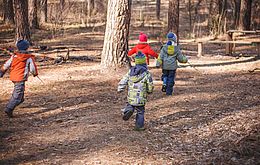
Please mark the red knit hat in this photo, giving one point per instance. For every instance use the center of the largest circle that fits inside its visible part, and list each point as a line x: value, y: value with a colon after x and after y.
x: 142, y: 37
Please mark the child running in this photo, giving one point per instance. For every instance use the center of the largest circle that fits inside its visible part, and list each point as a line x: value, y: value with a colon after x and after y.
x: 20, y: 64
x: 169, y: 55
x: 140, y: 83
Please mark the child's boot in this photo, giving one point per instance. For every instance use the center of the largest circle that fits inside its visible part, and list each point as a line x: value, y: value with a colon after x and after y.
x: 9, y: 113
x: 139, y: 129
x: 163, y: 88
x: 128, y: 114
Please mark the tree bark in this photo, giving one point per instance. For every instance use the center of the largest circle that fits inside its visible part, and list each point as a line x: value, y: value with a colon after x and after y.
x: 62, y: 4
x: 8, y: 12
x: 245, y: 15
x: 236, y: 13
x: 190, y: 17
x: 43, y: 9
x: 33, y: 14
x: 255, y: 17
x: 114, y: 54
x: 173, y: 17
x: 158, y: 9
x: 60, y: 17
x: 222, y: 4
x: 90, y: 7
x: 21, y: 20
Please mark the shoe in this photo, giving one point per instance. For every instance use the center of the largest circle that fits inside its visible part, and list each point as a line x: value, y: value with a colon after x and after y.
x: 139, y: 129
x: 9, y: 114
x: 128, y: 114
x: 163, y: 88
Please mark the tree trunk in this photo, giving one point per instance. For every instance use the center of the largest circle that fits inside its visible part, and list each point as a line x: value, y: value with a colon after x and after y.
x: 43, y: 8
x: 190, y: 18
x: 236, y: 13
x: 255, y: 17
x: 173, y: 17
x: 62, y: 4
x: 222, y: 13
x: 60, y: 18
x: 158, y: 9
x: 33, y: 16
x: 90, y: 7
x: 114, y: 54
x: 8, y: 12
x: 21, y: 20
x: 245, y: 15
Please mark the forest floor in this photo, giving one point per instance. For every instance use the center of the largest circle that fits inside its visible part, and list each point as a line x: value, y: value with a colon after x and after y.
x: 74, y: 115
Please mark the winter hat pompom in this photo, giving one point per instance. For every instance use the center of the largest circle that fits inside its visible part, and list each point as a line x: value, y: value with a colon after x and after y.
x: 142, y: 37
x: 22, y: 45
x: 140, y: 58
x: 172, y: 37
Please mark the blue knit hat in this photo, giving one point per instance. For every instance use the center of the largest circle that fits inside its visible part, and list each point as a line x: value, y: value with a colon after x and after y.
x: 172, y: 37
x: 22, y: 45
x: 140, y: 58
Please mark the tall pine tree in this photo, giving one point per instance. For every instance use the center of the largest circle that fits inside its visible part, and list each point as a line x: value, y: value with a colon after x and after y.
x: 115, y: 47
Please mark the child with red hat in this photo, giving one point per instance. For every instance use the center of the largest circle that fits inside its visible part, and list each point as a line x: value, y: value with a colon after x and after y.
x: 20, y: 64
x: 144, y: 47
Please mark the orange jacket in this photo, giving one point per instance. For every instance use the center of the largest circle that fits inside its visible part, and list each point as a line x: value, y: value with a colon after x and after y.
x: 20, y: 65
x: 145, y: 49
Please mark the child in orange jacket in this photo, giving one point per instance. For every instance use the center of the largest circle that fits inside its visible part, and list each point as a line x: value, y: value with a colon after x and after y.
x: 20, y: 64
x: 144, y: 47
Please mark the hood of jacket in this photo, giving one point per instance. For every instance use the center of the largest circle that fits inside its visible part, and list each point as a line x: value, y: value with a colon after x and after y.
x: 141, y: 45
x: 22, y: 56
x: 138, y: 72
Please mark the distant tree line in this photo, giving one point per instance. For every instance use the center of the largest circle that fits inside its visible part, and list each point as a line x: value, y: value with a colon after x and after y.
x: 216, y: 16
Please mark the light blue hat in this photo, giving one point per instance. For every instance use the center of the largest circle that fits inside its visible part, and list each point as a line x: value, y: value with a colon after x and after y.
x: 172, y: 37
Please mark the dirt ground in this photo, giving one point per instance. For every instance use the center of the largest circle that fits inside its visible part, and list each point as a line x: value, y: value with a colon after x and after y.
x: 74, y: 115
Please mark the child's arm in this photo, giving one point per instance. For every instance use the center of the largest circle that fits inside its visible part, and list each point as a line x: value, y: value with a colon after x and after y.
x: 149, y: 83
x: 33, y: 67
x: 123, y: 83
x: 132, y: 51
x: 160, y: 59
x: 180, y: 57
x: 6, y: 66
x: 151, y: 52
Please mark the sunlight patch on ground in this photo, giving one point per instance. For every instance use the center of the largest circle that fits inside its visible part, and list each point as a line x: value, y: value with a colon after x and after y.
x: 67, y: 73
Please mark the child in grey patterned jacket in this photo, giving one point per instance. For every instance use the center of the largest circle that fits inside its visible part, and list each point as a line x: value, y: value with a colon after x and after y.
x: 140, y: 83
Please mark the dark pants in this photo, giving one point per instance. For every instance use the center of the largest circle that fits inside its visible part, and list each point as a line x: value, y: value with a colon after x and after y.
x: 139, y: 119
x: 168, y: 78
x: 17, y: 96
